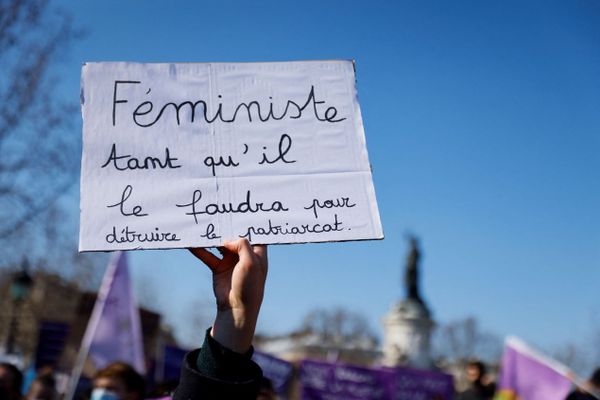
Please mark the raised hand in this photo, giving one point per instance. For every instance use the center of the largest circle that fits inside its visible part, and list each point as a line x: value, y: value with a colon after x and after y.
x: 238, y: 283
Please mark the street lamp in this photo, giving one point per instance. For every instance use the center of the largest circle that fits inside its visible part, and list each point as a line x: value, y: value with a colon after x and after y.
x: 19, y: 288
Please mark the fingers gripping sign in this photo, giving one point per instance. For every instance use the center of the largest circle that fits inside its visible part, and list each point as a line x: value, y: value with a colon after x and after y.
x: 238, y: 283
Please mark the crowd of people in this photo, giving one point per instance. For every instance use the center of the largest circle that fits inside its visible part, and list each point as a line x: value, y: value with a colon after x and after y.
x: 481, y: 387
x: 43, y: 387
x: 222, y: 368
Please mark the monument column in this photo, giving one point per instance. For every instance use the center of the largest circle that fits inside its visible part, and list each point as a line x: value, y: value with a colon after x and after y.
x: 408, y: 325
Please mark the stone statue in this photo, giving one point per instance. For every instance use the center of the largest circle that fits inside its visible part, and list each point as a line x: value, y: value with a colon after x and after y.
x: 408, y: 326
x: 411, y: 275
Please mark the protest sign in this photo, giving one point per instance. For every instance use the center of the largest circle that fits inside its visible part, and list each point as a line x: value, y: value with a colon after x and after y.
x: 417, y: 384
x: 278, y: 371
x: 331, y: 381
x: 181, y: 155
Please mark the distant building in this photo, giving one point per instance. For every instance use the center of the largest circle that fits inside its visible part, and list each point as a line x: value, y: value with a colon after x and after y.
x: 54, y: 301
x: 306, y: 344
x: 51, y: 299
x: 298, y: 346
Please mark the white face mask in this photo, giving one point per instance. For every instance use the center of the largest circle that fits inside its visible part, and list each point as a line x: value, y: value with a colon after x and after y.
x: 103, y: 394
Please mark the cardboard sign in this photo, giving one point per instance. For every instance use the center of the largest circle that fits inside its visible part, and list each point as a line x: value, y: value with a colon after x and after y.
x: 181, y: 155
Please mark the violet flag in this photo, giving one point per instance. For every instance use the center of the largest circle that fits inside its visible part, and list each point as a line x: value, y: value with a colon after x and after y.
x: 114, y: 331
x: 526, y: 374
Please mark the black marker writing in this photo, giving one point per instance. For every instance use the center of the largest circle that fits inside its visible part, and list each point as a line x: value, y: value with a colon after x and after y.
x: 210, y: 232
x: 212, y: 163
x: 254, y: 111
x: 285, y: 144
x: 195, y: 199
x: 130, y: 236
x: 245, y: 206
x: 336, y: 203
x: 136, y: 211
x: 125, y: 162
x: 115, y: 101
x: 287, y: 229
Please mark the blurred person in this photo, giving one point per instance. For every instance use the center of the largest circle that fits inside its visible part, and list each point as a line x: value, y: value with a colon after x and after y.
x: 591, y: 386
x: 11, y: 381
x: 222, y: 368
x: 43, y: 387
x: 163, y: 389
x: 479, y: 386
x: 118, y: 381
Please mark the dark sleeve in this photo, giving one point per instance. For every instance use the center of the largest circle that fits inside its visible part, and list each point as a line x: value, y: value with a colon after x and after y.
x: 215, y: 372
x: 578, y: 395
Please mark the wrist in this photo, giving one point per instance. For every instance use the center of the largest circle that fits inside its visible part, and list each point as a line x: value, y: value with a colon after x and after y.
x: 234, y: 329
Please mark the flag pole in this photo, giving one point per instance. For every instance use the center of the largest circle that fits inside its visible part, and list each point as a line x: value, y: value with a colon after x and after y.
x: 580, y: 383
x: 90, y: 329
x: 76, y: 373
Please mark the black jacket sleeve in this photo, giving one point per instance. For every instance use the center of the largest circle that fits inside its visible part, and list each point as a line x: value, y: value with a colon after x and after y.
x: 215, y: 372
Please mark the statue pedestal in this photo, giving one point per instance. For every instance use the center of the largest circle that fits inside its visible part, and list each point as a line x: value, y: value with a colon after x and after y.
x: 408, y: 329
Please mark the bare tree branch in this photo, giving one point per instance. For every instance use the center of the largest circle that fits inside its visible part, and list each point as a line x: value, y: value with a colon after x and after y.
x: 39, y: 150
x: 463, y: 339
x: 338, y: 325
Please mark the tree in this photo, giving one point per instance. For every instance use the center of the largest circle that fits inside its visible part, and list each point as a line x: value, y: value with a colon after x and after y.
x: 582, y: 354
x: 338, y: 326
x: 337, y: 334
x: 463, y: 339
x: 38, y: 150
x: 195, y: 317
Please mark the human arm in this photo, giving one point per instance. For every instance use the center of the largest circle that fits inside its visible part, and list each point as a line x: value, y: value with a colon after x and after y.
x: 223, y: 368
x: 238, y: 284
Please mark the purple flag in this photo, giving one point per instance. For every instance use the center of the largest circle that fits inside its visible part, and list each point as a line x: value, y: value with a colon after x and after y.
x: 326, y: 381
x: 114, y: 330
x: 329, y: 381
x: 168, y: 366
x: 418, y: 384
x: 529, y: 375
x: 277, y: 370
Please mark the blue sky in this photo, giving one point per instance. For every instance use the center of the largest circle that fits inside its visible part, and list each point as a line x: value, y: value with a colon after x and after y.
x: 483, y: 128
